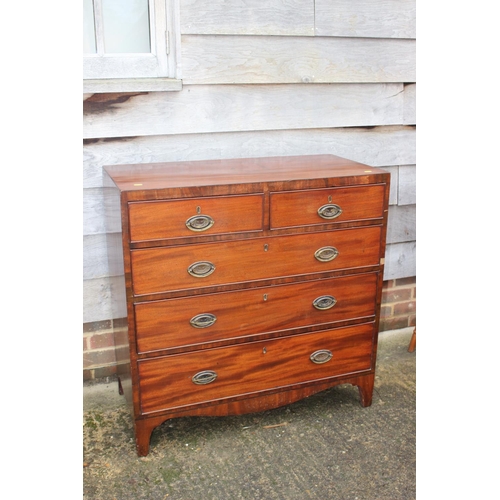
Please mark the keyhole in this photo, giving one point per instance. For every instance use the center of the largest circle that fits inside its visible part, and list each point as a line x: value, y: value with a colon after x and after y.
x: 264, y: 297
x: 264, y: 351
x: 329, y: 199
x: 198, y: 210
x: 266, y: 247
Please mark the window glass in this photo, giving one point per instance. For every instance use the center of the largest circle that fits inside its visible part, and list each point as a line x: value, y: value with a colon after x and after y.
x: 126, y: 26
x: 89, y: 45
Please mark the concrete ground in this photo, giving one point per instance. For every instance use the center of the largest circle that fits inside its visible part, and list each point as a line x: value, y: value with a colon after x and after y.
x: 324, y: 447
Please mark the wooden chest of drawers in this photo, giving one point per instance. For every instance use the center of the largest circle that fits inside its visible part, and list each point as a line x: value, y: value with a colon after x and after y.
x: 249, y: 283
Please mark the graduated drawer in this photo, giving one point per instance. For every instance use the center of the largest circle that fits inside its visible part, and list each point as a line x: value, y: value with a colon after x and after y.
x: 321, y: 206
x: 153, y: 220
x: 215, y: 374
x: 194, y: 266
x: 207, y: 318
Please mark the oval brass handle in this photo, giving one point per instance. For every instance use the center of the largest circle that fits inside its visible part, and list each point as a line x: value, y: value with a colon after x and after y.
x: 203, y: 320
x: 199, y: 223
x: 329, y: 211
x: 201, y: 269
x: 324, y: 302
x: 321, y: 356
x: 204, y: 377
x: 326, y: 254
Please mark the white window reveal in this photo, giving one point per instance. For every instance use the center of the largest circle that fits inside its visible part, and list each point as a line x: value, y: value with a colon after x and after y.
x: 132, y: 40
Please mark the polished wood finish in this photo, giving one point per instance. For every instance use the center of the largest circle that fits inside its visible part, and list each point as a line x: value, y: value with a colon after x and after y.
x: 241, y: 296
x: 165, y: 324
x: 165, y: 269
x: 252, y: 367
x: 413, y: 341
x: 300, y: 208
x: 167, y: 219
x: 242, y: 175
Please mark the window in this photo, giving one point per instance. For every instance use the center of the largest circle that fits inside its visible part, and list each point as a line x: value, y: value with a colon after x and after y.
x: 129, y: 39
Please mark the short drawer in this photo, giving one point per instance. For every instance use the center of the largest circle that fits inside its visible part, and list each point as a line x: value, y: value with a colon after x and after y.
x: 323, y: 206
x: 215, y: 374
x: 154, y: 220
x: 193, y: 266
x: 207, y: 318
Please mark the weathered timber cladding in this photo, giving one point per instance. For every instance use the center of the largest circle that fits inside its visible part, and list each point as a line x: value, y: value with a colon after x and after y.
x: 366, y: 18
x: 209, y: 109
x: 362, y: 18
x: 252, y: 17
x: 400, y: 260
x: 274, y: 78
x: 271, y: 59
x: 376, y: 146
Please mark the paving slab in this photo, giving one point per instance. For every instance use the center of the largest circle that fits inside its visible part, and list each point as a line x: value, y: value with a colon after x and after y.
x: 326, y: 446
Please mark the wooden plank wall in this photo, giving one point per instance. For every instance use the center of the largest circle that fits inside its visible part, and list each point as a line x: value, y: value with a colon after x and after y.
x: 281, y: 77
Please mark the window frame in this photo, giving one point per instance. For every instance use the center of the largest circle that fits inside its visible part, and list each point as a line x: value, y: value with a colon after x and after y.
x: 158, y: 70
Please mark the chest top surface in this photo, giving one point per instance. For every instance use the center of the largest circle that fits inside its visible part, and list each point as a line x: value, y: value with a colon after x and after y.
x: 291, y: 169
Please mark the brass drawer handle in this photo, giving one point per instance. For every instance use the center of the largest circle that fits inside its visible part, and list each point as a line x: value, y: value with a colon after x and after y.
x: 199, y: 223
x: 324, y: 302
x: 201, y: 269
x: 203, y: 320
x: 204, y: 377
x: 321, y: 356
x: 329, y: 211
x: 326, y: 254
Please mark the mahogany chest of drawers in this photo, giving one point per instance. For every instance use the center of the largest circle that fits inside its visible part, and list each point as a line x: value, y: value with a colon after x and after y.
x: 248, y: 283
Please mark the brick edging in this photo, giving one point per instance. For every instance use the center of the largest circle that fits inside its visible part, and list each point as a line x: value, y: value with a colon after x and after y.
x: 398, y: 304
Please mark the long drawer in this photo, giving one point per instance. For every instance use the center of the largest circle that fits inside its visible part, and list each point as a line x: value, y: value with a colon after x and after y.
x: 321, y: 206
x: 214, y: 374
x: 194, y: 266
x: 207, y: 318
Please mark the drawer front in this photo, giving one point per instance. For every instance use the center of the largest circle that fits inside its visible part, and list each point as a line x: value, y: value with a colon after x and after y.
x: 322, y: 206
x: 212, y: 317
x: 194, y: 266
x: 169, y: 382
x: 155, y: 220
